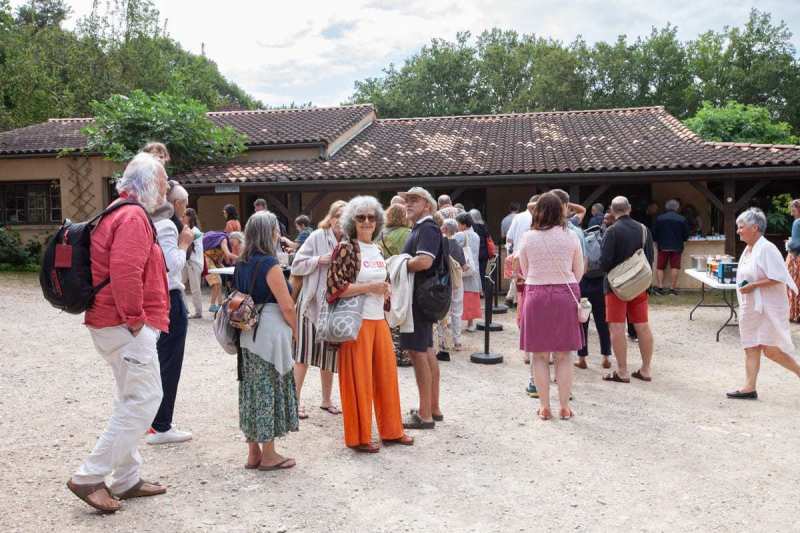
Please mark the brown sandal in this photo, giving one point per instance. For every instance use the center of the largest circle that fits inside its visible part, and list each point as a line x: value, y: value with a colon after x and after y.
x: 638, y: 375
x: 405, y: 440
x: 615, y: 378
x: 137, y: 491
x: 367, y: 448
x: 84, y: 491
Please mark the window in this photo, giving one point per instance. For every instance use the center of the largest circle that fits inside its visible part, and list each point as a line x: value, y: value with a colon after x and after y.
x: 30, y: 203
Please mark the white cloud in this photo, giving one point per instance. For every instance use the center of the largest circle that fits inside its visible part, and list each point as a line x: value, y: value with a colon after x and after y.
x: 314, y: 51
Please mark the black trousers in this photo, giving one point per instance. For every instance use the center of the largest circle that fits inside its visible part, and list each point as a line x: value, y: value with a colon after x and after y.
x: 170, y: 348
x: 592, y: 288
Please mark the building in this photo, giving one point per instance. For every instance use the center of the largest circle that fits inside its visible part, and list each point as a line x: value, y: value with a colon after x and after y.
x: 300, y: 160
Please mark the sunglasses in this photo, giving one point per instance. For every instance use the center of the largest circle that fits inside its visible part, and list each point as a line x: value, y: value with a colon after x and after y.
x: 364, y: 218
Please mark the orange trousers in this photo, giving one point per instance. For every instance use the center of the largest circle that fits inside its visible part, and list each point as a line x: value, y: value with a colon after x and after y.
x: 367, y: 376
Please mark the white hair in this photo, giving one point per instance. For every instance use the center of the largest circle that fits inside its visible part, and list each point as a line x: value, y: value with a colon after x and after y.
x: 177, y: 193
x: 140, y: 180
x: 356, y: 205
x: 753, y: 217
x: 450, y: 226
x: 672, y: 205
x: 476, y: 216
x: 620, y: 206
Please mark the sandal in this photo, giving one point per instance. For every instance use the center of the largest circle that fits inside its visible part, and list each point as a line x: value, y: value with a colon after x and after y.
x: 83, y: 492
x: 566, y: 413
x: 581, y: 363
x: 139, y: 490
x: 301, y: 413
x: 616, y: 378
x: 415, y: 422
x: 283, y: 465
x: 367, y: 448
x: 544, y: 413
x: 248, y: 466
x: 638, y: 375
x: 405, y: 440
x: 436, y: 418
x: 332, y: 409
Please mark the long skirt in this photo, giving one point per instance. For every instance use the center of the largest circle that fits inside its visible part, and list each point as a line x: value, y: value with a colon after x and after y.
x: 308, y: 350
x: 793, y: 264
x: 267, y: 400
x: 472, y: 306
x: 549, y: 321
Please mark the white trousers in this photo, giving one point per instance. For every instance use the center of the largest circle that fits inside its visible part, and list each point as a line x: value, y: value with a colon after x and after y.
x: 192, y: 274
x: 137, y: 396
x: 452, y: 324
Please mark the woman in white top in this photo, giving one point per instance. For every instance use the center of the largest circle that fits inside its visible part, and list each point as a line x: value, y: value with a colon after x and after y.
x: 762, y: 280
x: 367, y: 365
x: 193, y: 271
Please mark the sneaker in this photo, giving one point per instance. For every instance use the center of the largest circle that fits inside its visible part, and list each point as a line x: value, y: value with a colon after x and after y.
x: 659, y: 291
x: 531, y: 390
x: 674, y: 292
x: 167, y: 437
x: 213, y: 308
x: 443, y: 356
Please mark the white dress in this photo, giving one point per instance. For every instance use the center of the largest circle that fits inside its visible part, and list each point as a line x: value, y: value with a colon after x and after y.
x: 764, y: 313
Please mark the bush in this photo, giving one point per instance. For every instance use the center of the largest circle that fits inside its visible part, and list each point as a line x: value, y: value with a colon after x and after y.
x: 14, y: 255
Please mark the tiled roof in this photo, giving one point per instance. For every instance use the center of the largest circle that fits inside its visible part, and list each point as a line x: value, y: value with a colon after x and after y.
x: 609, y: 140
x: 264, y: 127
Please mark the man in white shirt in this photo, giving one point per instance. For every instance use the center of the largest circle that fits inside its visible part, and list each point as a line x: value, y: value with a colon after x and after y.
x: 522, y: 222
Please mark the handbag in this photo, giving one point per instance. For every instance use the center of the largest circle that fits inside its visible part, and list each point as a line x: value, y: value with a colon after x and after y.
x: 584, y: 305
x: 236, y: 314
x: 491, y: 247
x: 340, y: 321
x: 633, y: 276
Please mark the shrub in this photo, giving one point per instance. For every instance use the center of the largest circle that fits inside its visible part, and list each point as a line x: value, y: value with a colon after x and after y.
x: 14, y: 255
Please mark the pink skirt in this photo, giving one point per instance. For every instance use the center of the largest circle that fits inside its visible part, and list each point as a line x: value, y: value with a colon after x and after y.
x: 549, y: 319
x: 472, y: 306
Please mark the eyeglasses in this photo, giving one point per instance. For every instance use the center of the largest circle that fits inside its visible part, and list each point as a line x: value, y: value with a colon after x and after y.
x: 364, y: 218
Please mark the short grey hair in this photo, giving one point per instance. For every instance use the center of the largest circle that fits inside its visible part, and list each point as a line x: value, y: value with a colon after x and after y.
x: 672, y: 205
x: 444, y: 200
x: 177, y: 193
x: 259, y: 235
x: 753, y: 217
x: 450, y: 226
x: 476, y: 216
x: 353, y: 207
x: 140, y: 180
x: 238, y: 235
x: 598, y: 207
x: 620, y: 206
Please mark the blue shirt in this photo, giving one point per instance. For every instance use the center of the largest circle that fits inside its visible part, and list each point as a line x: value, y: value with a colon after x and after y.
x: 242, y: 277
x: 670, y: 231
x: 794, y: 242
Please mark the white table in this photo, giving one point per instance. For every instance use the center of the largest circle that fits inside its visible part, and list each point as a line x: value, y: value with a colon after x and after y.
x: 728, y: 296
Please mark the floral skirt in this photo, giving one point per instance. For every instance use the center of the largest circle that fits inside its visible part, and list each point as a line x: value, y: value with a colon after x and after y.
x: 793, y: 264
x: 267, y: 401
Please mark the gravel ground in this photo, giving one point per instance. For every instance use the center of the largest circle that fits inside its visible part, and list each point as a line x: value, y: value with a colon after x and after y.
x: 673, y: 454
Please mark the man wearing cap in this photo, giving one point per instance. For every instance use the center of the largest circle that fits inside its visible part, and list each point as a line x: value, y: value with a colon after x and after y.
x: 424, y: 245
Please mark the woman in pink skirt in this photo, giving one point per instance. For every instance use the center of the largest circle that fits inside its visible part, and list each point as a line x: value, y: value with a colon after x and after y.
x: 552, y: 263
x: 470, y: 241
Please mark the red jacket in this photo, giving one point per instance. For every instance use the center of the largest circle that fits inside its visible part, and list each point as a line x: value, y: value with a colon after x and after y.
x: 124, y: 248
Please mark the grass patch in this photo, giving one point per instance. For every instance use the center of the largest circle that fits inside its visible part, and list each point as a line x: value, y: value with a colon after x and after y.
x: 686, y: 297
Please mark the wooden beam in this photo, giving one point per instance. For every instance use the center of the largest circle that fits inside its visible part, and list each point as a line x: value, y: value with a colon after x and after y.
x: 704, y: 190
x: 274, y: 203
x: 729, y: 216
x: 742, y: 202
x: 309, y: 209
x: 595, y: 194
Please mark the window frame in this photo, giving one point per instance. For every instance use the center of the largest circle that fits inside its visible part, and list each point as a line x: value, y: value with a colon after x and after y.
x: 49, y: 192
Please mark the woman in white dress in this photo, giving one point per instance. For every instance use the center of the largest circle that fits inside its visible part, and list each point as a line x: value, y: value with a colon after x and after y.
x: 762, y: 280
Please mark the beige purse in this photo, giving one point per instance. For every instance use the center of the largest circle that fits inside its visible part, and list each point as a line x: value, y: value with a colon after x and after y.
x: 633, y: 276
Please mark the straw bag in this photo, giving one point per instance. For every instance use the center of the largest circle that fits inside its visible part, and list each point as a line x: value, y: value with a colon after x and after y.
x: 633, y: 276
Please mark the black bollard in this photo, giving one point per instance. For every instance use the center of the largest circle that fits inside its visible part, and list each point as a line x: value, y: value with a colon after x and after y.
x: 487, y: 301
x: 486, y: 357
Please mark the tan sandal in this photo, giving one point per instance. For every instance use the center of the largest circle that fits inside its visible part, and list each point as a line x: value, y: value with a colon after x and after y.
x: 138, y: 490
x: 84, y: 491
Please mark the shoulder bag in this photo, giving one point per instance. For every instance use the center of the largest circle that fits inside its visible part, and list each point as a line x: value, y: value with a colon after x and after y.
x: 633, y: 276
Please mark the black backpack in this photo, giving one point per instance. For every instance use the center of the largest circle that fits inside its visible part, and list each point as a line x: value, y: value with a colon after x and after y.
x: 432, y: 294
x: 66, y: 275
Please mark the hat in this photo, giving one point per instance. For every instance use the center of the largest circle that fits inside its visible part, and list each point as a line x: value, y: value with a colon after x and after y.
x: 421, y: 193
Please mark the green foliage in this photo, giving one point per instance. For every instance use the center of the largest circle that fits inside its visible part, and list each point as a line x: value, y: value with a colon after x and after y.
x: 735, y: 122
x: 779, y: 216
x: 16, y: 256
x: 123, y: 125
x: 504, y: 71
x: 48, y: 71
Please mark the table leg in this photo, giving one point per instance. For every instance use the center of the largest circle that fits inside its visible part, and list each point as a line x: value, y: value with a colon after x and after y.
x: 700, y: 303
x: 730, y: 301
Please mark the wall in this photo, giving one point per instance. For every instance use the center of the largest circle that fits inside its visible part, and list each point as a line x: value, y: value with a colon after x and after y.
x: 209, y: 210
x: 661, y: 192
x: 82, y: 183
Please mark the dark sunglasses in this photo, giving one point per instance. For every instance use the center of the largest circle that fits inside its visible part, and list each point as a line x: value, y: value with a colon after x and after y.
x: 364, y: 218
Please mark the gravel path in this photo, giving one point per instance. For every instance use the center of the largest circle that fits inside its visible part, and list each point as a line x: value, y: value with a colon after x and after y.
x: 670, y: 455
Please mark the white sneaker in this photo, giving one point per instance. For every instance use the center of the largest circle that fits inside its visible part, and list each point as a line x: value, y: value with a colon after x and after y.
x: 167, y: 437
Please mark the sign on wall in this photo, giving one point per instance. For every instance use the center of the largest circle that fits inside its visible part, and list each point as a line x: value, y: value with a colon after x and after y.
x: 226, y: 187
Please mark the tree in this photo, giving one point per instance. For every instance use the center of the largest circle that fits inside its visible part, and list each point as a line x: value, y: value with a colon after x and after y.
x: 123, y: 125
x: 737, y: 122
x: 43, y: 13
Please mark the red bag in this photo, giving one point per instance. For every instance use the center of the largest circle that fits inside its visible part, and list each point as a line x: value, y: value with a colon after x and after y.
x: 490, y: 246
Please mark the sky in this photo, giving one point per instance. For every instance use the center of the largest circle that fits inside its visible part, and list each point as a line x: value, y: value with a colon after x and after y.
x: 282, y: 52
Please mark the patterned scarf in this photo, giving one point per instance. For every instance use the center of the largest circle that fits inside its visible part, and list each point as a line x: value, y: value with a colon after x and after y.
x: 344, y: 269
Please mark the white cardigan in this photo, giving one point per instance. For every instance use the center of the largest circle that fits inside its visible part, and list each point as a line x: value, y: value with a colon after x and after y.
x: 402, y: 282
x: 315, y: 276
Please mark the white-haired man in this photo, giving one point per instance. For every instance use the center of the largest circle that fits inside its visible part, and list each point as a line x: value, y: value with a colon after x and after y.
x: 424, y: 245
x: 125, y: 322
x: 623, y: 239
x: 446, y: 208
x: 171, y: 345
x: 670, y: 232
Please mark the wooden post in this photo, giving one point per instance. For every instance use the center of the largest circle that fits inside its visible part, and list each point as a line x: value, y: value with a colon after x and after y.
x: 294, y: 199
x: 729, y: 216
